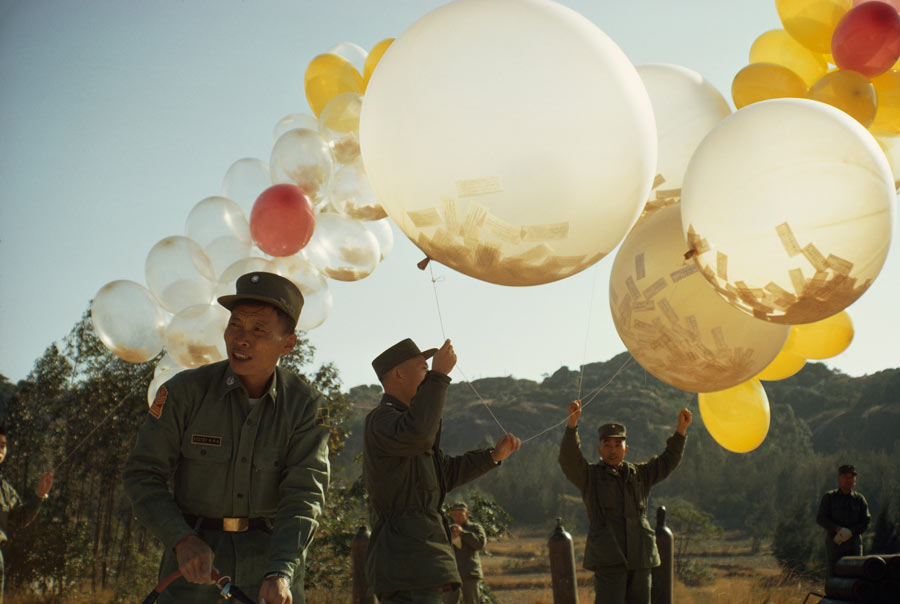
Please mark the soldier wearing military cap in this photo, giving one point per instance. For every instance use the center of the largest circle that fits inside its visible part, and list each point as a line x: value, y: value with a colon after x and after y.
x: 243, y: 442
x: 844, y: 514
x: 407, y: 475
x: 621, y: 544
x: 468, y: 539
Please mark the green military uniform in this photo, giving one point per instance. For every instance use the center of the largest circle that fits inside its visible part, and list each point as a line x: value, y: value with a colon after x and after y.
x: 267, y: 463
x: 621, y: 544
x: 406, y: 474
x: 468, y: 562
x: 836, y: 510
x: 17, y: 512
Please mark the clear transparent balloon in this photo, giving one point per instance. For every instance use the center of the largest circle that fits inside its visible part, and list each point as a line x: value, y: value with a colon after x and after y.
x: 195, y: 335
x: 179, y: 273
x: 342, y: 248
x: 167, y: 364
x: 352, y: 194
x: 339, y: 126
x: 129, y: 321
x: 293, y: 121
x: 384, y: 233
x: 766, y: 210
x: 216, y: 217
x: 227, y: 283
x: 225, y: 251
x: 245, y: 180
x: 673, y: 323
x: 302, y: 272
x: 316, y: 308
x: 304, y: 158
x: 354, y: 53
x: 517, y: 180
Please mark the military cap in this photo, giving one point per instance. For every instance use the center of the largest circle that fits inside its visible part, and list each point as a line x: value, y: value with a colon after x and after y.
x: 612, y: 430
x: 847, y: 469
x: 396, y: 354
x: 460, y: 505
x: 267, y: 288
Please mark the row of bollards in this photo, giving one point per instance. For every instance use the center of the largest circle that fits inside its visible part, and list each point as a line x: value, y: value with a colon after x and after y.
x: 561, y: 551
x: 866, y: 579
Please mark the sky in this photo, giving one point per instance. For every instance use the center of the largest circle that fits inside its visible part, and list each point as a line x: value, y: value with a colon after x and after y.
x: 118, y: 116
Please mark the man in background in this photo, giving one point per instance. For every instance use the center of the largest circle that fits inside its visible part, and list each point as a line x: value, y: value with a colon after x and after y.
x: 844, y: 514
x: 468, y: 539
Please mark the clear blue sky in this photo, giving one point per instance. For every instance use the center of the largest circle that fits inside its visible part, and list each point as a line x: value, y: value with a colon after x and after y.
x: 117, y: 116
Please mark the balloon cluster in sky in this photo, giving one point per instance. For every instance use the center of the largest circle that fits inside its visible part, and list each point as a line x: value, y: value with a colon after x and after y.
x: 514, y: 142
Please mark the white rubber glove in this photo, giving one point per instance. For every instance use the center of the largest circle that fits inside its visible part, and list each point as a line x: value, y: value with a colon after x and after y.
x: 845, y: 534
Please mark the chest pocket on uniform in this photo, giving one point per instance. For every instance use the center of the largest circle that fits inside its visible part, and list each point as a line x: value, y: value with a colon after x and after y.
x: 267, y: 459
x: 205, y: 453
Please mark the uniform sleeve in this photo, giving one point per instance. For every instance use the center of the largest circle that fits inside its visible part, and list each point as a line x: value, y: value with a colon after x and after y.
x: 823, y: 517
x: 22, y: 511
x: 475, y: 538
x: 413, y: 431
x: 658, y: 468
x: 301, y: 492
x: 151, y: 464
x: 860, y: 527
x: 571, y: 460
x: 459, y: 469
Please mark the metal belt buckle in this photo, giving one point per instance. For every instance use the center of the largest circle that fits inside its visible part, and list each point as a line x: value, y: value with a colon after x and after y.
x: 235, y: 525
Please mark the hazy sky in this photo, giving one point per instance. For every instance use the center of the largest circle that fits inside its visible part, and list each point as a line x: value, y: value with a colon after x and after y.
x: 118, y: 116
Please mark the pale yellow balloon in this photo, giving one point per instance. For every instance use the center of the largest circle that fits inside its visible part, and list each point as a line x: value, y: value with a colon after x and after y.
x: 849, y: 91
x: 327, y: 76
x: 783, y: 366
x: 763, y: 81
x: 779, y: 47
x: 673, y: 323
x: 372, y: 60
x: 887, y: 115
x: 821, y: 339
x: 737, y: 418
x: 812, y: 22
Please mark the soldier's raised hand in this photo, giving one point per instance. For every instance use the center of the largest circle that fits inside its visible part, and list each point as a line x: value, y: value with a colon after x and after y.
x: 444, y: 359
x: 684, y: 420
x: 506, y: 446
x: 574, y: 413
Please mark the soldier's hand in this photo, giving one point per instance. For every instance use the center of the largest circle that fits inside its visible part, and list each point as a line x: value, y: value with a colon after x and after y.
x: 195, y: 559
x: 506, y: 446
x: 574, y: 413
x: 684, y: 420
x: 444, y: 359
x: 455, y: 530
x: 275, y: 590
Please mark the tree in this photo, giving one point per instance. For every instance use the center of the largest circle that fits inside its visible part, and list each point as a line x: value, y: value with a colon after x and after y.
x: 794, y: 537
x: 887, y: 532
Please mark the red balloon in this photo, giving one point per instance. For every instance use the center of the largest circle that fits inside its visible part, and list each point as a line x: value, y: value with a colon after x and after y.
x: 867, y: 39
x: 894, y: 3
x: 282, y: 220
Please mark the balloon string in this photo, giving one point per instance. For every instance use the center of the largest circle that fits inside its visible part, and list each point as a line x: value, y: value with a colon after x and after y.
x: 593, y: 394
x: 587, y: 333
x: 444, y: 336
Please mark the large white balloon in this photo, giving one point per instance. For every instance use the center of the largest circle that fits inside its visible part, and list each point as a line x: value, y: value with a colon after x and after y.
x: 671, y: 320
x: 511, y: 140
x: 129, y: 321
x: 788, y: 205
x: 686, y: 106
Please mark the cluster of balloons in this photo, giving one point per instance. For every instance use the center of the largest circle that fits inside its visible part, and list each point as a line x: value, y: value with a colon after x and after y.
x: 314, y: 217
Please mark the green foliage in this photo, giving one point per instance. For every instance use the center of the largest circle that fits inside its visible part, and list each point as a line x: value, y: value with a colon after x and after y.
x: 689, y: 525
x: 486, y: 512
x: 887, y: 531
x: 794, y: 534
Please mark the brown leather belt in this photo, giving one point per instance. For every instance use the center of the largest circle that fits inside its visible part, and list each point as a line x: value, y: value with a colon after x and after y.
x: 228, y: 525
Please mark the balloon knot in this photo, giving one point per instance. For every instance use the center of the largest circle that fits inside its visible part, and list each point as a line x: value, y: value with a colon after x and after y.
x: 423, y: 264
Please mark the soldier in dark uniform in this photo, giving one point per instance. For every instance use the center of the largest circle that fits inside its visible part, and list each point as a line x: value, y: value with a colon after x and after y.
x: 844, y: 514
x: 468, y: 538
x: 621, y: 544
x: 14, y: 510
x: 410, y: 558
x: 243, y: 443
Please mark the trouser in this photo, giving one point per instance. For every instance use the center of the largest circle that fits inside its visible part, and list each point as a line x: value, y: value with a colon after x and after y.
x: 415, y: 596
x: 618, y: 585
x: 833, y: 551
x: 470, y: 592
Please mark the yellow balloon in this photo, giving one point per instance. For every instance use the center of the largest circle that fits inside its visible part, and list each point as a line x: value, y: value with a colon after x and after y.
x: 849, y: 91
x: 821, y: 339
x: 783, y: 366
x: 887, y: 91
x: 737, y: 418
x: 812, y: 22
x: 763, y: 81
x: 327, y: 76
x: 777, y: 46
x: 372, y: 60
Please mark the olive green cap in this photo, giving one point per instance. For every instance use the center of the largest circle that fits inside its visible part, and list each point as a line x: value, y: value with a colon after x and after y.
x: 267, y: 288
x: 611, y: 431
x: 847, y: 469
x: 398, y: 353
x: 459, y: 505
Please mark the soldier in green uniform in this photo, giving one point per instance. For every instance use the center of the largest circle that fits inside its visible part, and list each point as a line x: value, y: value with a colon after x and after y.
x: 468, y: 538
x: 243, y: 442
x: 14, y: 510
x: 621, y: 544
x: 410, y: 558
x: 844, y: 514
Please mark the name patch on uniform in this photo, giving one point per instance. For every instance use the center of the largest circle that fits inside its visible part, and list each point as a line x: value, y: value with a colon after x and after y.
x: 157, y: 407
x: 202, y: 439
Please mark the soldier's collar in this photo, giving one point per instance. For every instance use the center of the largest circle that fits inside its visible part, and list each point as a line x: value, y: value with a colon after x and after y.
x: 233, y: 380
x: 392, y: 401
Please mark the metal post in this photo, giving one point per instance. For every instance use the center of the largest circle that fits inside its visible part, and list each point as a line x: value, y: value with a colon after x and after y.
x: 359, y: 547
x: 663, y: 576
x: 562, y: 566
